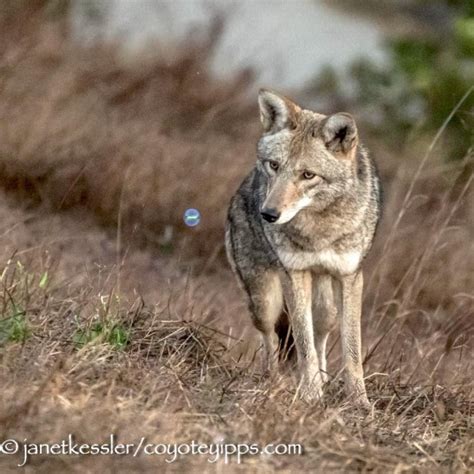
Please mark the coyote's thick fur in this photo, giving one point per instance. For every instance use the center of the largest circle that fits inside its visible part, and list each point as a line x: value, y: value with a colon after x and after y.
x: 297, y: 232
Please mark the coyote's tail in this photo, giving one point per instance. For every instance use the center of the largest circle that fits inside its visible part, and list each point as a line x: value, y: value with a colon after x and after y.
x: 286, y: 348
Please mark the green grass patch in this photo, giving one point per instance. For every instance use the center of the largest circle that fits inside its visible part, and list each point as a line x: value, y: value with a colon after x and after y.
x: 114, y: 334
x: 14, y: 328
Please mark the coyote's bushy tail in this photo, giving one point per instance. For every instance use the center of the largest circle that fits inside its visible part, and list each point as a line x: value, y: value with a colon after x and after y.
x: 286, y: 346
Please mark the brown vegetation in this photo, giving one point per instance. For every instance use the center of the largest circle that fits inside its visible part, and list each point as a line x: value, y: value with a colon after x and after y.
x: 111, y: 326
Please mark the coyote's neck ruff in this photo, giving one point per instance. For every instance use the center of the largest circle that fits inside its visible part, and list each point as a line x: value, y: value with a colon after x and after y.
x: 298, y: 230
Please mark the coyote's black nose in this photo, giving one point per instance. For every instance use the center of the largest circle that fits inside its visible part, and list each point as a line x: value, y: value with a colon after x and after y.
x: 270, y: 215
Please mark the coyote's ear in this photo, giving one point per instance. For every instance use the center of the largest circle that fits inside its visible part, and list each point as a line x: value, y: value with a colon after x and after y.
x: 339, y: 133
x: 276, y: 112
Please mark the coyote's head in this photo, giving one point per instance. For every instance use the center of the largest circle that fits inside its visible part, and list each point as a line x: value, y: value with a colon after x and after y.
x: 307, y: 159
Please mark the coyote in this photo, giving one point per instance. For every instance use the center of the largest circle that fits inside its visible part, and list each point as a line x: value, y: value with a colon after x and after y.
x: 297, y: 231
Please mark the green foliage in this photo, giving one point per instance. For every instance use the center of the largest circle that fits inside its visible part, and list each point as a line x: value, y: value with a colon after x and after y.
x: 114, y: 334
x: 18, y: 288
x: 43, y: 280
x: 464, y: 34
x: 14, y: 328
x: 21, y: 287
x: 425, y: 78
x: 106, y: 327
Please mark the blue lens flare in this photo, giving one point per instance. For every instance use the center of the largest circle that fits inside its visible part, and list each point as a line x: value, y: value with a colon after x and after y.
x: 192, y: 217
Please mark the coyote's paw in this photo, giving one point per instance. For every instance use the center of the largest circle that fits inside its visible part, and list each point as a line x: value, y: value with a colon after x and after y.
x: 311, y: 389
x: 361, y: 402
x: 356, y: 394
x: 270, y: 368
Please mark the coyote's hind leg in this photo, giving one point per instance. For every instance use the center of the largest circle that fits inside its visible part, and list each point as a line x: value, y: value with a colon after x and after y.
x: 265, y: 304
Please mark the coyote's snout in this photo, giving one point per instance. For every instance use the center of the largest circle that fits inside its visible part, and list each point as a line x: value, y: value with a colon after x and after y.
x: 298, y: 230
x: 285, y: 199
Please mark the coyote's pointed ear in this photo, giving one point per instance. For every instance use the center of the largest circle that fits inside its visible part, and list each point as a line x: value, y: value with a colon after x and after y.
x: 339, y: 133
x: 276, y: 112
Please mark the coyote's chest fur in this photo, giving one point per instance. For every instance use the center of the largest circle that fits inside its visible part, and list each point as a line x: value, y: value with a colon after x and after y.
x: 326, y: 260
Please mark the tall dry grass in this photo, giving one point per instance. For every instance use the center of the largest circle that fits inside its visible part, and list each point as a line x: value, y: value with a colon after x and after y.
x: 133, y: 321
x: 143, y: 142
x: 148, y: 140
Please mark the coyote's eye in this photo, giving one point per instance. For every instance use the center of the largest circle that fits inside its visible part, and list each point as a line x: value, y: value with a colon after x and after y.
x: 308, y: 175
x: 273, y: 165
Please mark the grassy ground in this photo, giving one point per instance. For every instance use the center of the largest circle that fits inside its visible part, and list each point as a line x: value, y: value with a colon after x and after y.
x: 116, y: 318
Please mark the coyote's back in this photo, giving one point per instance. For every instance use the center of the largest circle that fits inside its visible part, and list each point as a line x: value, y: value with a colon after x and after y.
x: 297, y: 232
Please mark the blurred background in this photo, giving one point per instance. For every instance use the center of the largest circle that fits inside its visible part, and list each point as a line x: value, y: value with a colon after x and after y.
x: 118, y: 115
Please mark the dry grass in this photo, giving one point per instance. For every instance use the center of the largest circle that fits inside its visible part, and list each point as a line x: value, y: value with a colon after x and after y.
x: 80, y: 128
x: 108, y: 326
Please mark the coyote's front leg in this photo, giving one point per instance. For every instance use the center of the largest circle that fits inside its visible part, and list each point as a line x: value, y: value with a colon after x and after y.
x: 298, y: 295
x: 351, y: 337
